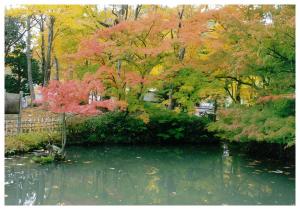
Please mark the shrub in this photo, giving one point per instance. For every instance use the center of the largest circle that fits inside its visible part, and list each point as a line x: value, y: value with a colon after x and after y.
x: 29, y: 141
x: 167, y: 125
x: 163, y: 126
x: 271, y: 122
x: 111, y: 127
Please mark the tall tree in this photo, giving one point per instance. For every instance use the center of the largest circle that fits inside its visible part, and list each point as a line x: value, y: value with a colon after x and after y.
x: 47, y: 75
x: 28, y: 55
x: 43, y: 54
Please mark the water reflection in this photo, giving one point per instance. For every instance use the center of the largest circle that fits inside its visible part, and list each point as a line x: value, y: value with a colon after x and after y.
x: 149, y: 175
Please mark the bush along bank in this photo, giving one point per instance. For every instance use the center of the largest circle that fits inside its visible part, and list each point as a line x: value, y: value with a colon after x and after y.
x: 162, y: 127
x: 27, y: 142
x: 266, y: 128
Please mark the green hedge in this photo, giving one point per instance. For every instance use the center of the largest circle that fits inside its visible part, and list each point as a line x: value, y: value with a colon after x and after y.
x: 164, y: 126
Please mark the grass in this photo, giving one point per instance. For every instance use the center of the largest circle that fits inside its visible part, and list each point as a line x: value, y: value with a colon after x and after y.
x: 26, y: 142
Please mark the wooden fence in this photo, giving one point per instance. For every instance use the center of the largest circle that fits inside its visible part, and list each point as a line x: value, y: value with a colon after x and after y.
x: 15, y: 125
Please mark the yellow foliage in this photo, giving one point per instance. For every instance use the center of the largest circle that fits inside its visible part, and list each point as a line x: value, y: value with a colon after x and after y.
x: 177, y: 110
x: 145, y: 117
x: 156, y: 70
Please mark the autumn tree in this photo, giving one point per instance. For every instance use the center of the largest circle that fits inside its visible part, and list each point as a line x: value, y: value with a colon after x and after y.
x: 245, y: 42
x: 130, y: 46
x: 188, y: 39
x: 72, y: 97
x: 257, y: 54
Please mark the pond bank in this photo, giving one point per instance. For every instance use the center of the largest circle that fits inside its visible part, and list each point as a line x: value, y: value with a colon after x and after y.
x: 162, y: 128
x: 26, y: 143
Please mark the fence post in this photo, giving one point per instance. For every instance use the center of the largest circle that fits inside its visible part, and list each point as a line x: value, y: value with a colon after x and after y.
x: 20, y: 113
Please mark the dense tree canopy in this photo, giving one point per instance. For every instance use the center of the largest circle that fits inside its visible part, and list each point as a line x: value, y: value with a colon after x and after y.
x: 241, y: 57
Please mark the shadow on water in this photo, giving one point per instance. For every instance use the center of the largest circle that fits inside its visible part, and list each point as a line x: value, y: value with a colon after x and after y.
x: 141, y: 175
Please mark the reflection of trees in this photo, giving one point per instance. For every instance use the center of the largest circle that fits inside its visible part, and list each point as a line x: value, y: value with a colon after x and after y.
x: 180, y: 177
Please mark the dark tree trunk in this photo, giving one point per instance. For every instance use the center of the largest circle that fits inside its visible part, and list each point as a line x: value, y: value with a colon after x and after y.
x: 56, y: 68
x: 182, y: 49
x: 43, y: 56
x: 238, y: 93
x: 49, y: 50
x: 28, y: 55
x: 137, y: 11
x: 230, y: 93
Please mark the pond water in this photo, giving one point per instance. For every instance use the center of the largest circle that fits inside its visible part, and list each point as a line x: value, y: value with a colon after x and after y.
x: 142, y: 175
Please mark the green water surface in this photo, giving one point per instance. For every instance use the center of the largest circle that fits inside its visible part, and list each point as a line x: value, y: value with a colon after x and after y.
x: 142, y: 175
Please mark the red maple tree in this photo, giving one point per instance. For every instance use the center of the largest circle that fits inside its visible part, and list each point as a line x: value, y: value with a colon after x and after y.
x: 73, y: 97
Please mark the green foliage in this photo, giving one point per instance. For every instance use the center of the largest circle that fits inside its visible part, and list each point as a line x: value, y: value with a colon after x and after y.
x: 164, y: 126
x: 13, y: 26
x: 16, y: 81
x: 283, y: 108
x: 276, y: 50
x: 87, y: 68
x: 15, y: 58
x: 189, y: 86
x: 272, y: 122
x: 43, y: 160
x: 110, y: 127
x: 28, y: 141
x: 167, y: 125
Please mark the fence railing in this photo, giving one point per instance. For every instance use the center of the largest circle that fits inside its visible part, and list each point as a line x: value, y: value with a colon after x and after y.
x: 15, y: 125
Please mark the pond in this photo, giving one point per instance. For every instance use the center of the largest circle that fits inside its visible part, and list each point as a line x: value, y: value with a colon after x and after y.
x: 143, y: 175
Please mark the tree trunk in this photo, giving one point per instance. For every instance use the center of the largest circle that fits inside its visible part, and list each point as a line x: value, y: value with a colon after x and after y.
x: 180, y: 16
x: 56, y: 68
x: 230, y: 93
x: 19, y: 82
x: 43, y: 56
x: 64, y: 132
x: 119, y: 64
x: 125, y: 11
x: 140, y: 94
x: 215, y: 109
x: 238, y: 93
x: 137, y: 11
x: 171, y: 104
x: 28, y: 55
x: 50, y: 41
x: 181, y: 49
